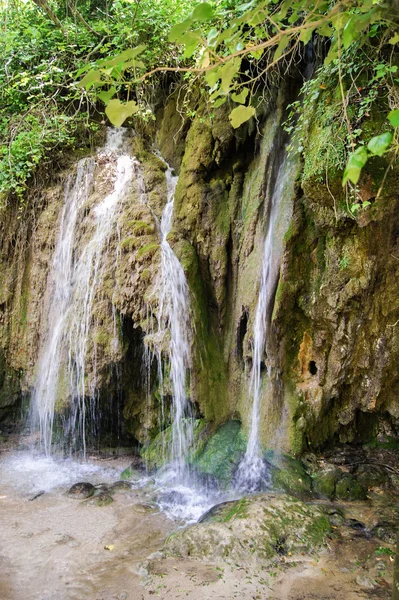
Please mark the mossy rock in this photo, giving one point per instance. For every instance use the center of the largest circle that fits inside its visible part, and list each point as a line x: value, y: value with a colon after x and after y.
x: 370, y: 476
x: 289, y: 474
x: 222, y: 454
x: 158, y: 452
x: 324, y: 482
x: 254, y: 528
x: 348, y: 488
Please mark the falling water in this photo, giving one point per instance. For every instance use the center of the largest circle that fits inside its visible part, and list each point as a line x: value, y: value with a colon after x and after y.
x: 73, y: 282
x: 173, y: 319
x: 252, y: 472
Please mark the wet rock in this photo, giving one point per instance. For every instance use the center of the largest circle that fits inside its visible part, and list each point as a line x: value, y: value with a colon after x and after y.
x: 172, y: 497
x: 121, y: 486
x: 261, y: 526
x: 145, y: 507
x: 347, y: 488
x: 81, y: 490
x: 289, y: 475
x: 101, y: 487
x: 101, y: 499
x: 324, y: 482
x: 366, y: 582
x: 335, y: 516
x: 386, y: 532
x: 130, y: 473
x: 370, y: 476
x: 222, y: 454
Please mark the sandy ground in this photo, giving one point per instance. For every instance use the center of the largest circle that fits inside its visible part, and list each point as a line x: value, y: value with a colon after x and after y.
x: 54, y: 547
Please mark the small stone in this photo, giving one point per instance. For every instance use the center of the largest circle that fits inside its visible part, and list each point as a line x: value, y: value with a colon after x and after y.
x: 365, y: 582
x: 81, y: 490
x: 145, y: 507
x: 122, y: 486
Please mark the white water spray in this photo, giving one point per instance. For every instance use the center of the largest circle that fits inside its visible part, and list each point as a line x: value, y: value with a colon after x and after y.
x: 252, y: 473
x: 173, y: 318
x: 73, y: 282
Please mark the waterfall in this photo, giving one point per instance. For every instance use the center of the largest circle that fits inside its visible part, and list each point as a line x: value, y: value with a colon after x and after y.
x: 173, y: 320
x: 73, y: 281
x: 252, y: 473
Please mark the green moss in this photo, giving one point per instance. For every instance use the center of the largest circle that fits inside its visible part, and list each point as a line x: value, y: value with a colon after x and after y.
x: 159, y: 451
x: 348, y: 488
x: 146, y: 275
x: 148, y: 250
x: 222, y: 453
x: 289, y: 474
x: 141, y: 227
x: 324, y: 482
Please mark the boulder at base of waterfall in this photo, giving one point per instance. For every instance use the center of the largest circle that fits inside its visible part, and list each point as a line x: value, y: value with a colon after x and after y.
x: 289, y: 475
x: 257, y: 527
x: 221, y: 454
x: 81, y: 490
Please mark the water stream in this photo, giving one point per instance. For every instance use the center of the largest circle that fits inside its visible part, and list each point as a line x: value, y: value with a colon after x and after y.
x: 73, y: 280
x: 173, y: 318
x: 252, y: 473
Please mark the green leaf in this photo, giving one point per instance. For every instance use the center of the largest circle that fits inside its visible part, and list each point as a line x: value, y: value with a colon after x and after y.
x: 241, y: 97
x: 212, y: 77
x: 349, y: 34
x: 203, y: 12
x: 107, y: 95
x: 117, y: 112
x: 219, y: 102
x: 228, y: 72
x: 90, y: 78
x: 355, y: 164
x: 124, y: 56
x: 191, y: 41
x: 240, y: 115
x: 394, y: 40
x: 285, y: 40
x: 379, y: 144
x: 212, y: 36
x: 177, y: 32
x: 394, y: 118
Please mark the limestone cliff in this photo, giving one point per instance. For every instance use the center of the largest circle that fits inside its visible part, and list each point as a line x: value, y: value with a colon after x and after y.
x: 333, y: 343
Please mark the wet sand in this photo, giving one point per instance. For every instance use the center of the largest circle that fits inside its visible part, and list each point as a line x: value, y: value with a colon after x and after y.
x: 54, y: 547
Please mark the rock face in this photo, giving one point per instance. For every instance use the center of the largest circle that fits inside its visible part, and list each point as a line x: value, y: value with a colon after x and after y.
x: 333, y: 343
x: 258, y: 527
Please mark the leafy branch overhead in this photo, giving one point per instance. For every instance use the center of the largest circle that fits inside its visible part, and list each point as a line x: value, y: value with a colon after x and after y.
x: 232, y: 57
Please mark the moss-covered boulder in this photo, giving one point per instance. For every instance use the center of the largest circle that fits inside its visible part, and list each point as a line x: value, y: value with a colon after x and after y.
x: 348, y: 488
x: 222, y: 454
x: 253, y: 528
x: 289, y: 475
x: 159, y: 450
x: 370, y: 476
x: 324, y: 482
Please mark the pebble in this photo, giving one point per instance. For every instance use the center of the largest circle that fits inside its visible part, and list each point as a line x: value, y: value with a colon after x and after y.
x: 365, y: 582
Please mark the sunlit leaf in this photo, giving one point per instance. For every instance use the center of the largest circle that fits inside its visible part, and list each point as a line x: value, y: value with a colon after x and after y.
x: 349, y: 33
x: 285, y: 40
x: 124, y: 56
x: 355, y: 164
x: 241, y: 97
x: 90, y: 78
x: 105, y: 96
x: 394, y: 118
x: 219, y: 102
x: 228, y: 72
x: 117, y: 112
x: 379, y: 144
x: 240, y: 115
x: 203, y: 12
x: 177, y: 32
